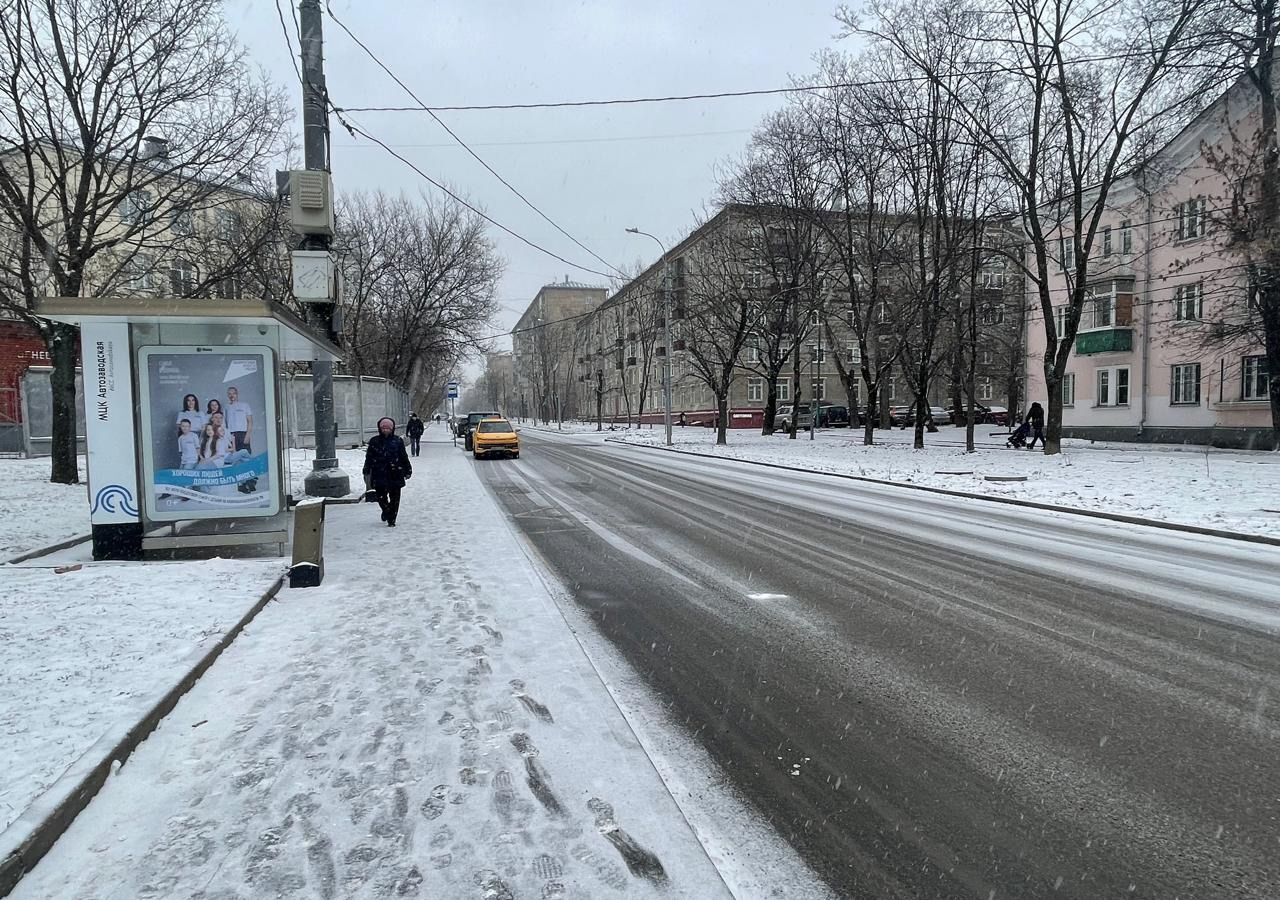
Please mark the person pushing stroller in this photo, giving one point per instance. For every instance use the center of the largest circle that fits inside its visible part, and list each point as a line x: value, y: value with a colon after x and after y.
x: 1032, y: 427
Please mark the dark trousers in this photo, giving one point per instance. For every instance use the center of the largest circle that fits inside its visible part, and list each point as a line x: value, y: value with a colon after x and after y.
x: 414, y: 444
x: 1037, y: 434
x: 389, y: 500
x: 242, y: 439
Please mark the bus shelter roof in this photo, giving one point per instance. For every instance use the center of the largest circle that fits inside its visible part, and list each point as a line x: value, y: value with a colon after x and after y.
x: 298, y: 340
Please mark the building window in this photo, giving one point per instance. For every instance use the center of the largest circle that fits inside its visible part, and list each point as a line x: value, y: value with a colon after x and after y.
x: 784, y: 390
x: 1126, y: 237
x: 815, y: 318
x: 229, y: 288
x: 1113, y: 386
x: 1185, y: 388
x: 992, y: 280
x: 1060, y: 318
x: 891, y: 388
x: 992, y: 314
x: 228, y: 224
x: 1187, y: 300
x: 753, y: 348
x: 882, y: 313
x: 853, y: 353
x: 987, y: 357
x: 1069, y: 389
x: 135, y: 208
x: 1257, y: 383
x: 182, y: 222
x: 755, y: 390
x: 138, y: 273
x: 1103, y: 309
x: 817, y: 354
x: 1191, y: 219
x: 1106, y: 240
x: 985, y: 390
x: 1067, y: 246
x: 818, y: 389
x: 183, y: 278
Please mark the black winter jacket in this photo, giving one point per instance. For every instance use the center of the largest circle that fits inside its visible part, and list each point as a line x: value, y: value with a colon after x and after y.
x: 386, y: 462
x: 414, y: 428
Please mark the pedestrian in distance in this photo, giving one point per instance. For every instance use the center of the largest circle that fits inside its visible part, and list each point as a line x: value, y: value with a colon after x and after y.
x: 414, y: 428
x: 387, y: 468
x: 1035, y: 419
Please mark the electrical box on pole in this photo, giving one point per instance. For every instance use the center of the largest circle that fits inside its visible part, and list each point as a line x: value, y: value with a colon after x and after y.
x: 311, y: 202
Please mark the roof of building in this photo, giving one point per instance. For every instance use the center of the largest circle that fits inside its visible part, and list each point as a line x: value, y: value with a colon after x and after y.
x: 573, y: 286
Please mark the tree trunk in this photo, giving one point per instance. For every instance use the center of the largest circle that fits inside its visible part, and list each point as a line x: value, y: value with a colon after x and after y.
x: 872, y: 412
x: 64, y: 468
x: 600, y: 406
x: 922, y: 412
x: 722, y: 417
x: 1053, y: 416
x: 770, y: 404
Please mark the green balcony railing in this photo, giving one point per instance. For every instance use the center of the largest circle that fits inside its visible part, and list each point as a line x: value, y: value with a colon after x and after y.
x: 1105, y: 340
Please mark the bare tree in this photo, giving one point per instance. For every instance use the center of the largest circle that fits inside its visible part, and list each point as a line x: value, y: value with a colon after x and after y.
x: 718, y: 316
x: 1086, y: 90
x: 420, y: 277
x: 84, y: 85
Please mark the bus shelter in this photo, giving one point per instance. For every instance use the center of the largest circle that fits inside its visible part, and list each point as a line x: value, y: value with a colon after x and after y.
x: 183, y: 424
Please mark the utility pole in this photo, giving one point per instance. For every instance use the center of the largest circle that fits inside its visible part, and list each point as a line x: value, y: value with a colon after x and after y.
x: 326, y: 479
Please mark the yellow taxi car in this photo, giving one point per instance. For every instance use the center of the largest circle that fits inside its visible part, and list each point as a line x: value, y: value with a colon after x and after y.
x: 495, y: 436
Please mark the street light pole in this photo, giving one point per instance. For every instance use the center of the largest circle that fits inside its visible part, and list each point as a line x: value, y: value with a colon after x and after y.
x: 666, y: 329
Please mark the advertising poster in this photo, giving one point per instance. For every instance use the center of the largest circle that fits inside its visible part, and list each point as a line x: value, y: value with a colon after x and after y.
x: 209, y: 432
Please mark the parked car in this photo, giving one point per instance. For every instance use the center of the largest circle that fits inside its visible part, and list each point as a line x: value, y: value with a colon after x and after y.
x: 467, y: 426
x: 495, y: 436
x: 939, y: 414
x: 989, y: 415
x: 833, y: 415
x: 830, y: 415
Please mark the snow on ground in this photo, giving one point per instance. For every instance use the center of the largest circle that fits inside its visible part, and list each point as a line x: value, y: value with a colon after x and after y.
x: 423, y: 723
x: 86, y: 650
x: 35, y: 513
x: 1231, y: 490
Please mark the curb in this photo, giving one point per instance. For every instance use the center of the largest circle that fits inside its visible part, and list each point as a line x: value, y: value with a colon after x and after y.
x: 55, y: 809
x: 44, y: 551
x: 1008, y: 501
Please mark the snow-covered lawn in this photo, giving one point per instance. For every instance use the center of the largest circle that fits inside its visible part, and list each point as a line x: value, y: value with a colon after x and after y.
x: 35, y: 513
x: 86, y: 650
x: 1231, y: 490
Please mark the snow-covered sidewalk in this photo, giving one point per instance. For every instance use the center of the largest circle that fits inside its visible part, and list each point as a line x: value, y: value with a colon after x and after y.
x: 35, y: 513
x: 422, y: 724
x: 86, y: 653
x: 1235, y: 491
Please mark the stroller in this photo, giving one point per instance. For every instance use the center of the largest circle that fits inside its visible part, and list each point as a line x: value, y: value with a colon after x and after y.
x: 1018, y: 440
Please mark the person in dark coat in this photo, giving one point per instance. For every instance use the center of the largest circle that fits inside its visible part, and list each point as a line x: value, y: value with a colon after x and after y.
x: 414, y: 428
x: 1035, y: 418
x: 387, y: 468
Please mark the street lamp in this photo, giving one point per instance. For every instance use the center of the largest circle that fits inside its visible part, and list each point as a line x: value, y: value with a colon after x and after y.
x: 666, y: 329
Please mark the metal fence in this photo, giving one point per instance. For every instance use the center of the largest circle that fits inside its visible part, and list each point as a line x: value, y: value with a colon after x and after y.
x: 358, y: 404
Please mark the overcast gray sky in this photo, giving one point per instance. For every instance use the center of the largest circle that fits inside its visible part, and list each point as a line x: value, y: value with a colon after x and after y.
x: 595, y: 171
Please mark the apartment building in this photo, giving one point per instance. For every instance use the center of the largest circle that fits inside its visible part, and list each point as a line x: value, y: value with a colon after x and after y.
x: 1164, y: 351
x: 544, y: 346
x: 623, y: 346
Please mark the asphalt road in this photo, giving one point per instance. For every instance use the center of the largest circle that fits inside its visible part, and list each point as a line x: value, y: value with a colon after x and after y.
x: 931, y: 697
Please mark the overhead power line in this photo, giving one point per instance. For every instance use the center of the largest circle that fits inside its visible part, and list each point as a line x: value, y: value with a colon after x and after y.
x: 508, y: 185
x: 354, y: 129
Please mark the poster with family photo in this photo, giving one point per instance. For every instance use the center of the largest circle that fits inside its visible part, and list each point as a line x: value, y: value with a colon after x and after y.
x: 209, y: 432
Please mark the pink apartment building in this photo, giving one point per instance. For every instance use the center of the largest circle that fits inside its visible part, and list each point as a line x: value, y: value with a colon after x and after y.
x: 1158, y: 356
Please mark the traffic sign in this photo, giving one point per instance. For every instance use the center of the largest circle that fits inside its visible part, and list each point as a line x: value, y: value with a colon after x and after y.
x: 453, y: 390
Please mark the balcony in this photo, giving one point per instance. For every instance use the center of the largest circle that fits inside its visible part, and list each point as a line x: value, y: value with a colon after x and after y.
x: 1104, y: 340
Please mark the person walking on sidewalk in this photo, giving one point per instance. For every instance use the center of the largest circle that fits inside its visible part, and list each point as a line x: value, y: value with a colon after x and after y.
x: 414, y: 428
x: 387, y: 468
x: 1035, y: 418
